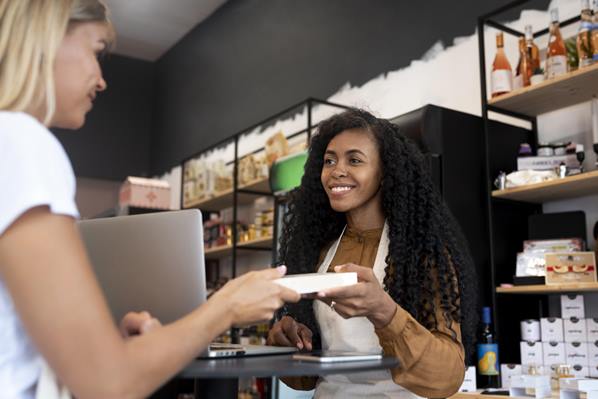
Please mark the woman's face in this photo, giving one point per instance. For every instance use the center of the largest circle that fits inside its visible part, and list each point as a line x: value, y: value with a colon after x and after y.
x: 77, y: 73
x: 352, y: 171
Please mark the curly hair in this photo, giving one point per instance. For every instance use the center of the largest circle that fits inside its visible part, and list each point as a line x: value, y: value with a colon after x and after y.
x: 428, y: 263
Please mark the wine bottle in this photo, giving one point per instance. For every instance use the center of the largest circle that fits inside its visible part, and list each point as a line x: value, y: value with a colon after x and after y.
x: 584, y: 35
x: 595, y: 31
x: 524, y: 67
x: 556, y: 56
x: 488, y: 365
x: 502, y: 74
x: 532, y: 49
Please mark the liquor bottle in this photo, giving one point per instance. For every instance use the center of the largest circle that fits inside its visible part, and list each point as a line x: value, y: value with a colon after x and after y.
x: 584, y: 35
x: 488, y: 365
x: 524, y: 66
x: 502, y: 74
x: 532, y: 49
x: 556, y: 56
x: 595, y: 31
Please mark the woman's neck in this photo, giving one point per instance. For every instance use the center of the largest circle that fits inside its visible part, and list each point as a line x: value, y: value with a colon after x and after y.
x: 365, y: 219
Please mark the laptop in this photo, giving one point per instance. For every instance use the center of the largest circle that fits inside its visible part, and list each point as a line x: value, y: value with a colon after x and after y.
x: 155, y: 262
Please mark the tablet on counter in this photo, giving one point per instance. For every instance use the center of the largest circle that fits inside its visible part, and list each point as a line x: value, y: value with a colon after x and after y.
x: 336, y: 356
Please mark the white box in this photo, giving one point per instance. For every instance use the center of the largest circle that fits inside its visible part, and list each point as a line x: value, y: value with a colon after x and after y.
x: 592, y: 330
x: 144, y: 193
x: 576, y: 353
x: 593, y: 353
x: 593, y: 371
x: 572, y: 306
x: 507, y: 371
x: 554, y: 353
x: 546, y: 162
x: 530, y: 330
x: 580, y: 371
x: 551, y: 329
x: 314, y: 282
x: 576, y: 384
x: 531, y: 353
x: 469, y: 382
x: 521, y: 385
x: 574, y: 330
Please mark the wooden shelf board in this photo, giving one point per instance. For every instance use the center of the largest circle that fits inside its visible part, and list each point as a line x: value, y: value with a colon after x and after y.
x: 548, y: 289
x: 569, y: 89
x: 569, y: 187
x: 225, y: 199
x: 478, y: 395
x: 225, y: 250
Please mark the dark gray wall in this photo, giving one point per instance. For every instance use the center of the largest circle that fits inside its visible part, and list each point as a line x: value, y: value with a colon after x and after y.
x: 116, y: 139
x: 253, y: 58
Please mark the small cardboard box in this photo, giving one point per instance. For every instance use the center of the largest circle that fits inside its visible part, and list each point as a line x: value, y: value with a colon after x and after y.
x: 554, y: 353
x: 593, y: 371
x: 575, y: 330
x: 580, y: 371
x: 507, y: 371
x: 593, y: 353
x: 144, y: 193
x: 531, y: 353
x: 572, y: 306
x: 592, y: 330
x: 551, y: 329
x: 570, y: 267
x: 577, y: 353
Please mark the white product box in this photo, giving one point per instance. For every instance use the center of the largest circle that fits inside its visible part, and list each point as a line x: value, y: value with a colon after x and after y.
x: 530, y: 330
x: 538, y: 384
x: 593, y: 353
x: 572, y: 306
x: 551, y: 329
x: 593, y: 371
x: 314, y: 282
x: 507, y: 371
x: 469, y: 382
x: 577, y: 353
x: 580, y: 371
x: 554, y: 353
x: 531, y: 353
x: 574, y: 330
x: 547, y: 162
x: 572, y: 387
x: 592, y: 330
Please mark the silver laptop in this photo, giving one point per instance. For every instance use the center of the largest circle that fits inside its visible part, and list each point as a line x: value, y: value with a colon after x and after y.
x: 154, y: 262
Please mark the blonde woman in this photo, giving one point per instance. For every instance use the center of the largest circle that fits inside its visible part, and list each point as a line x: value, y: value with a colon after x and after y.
x: 51, y: 307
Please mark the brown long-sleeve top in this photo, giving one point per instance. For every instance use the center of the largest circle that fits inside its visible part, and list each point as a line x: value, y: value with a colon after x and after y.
x: 431, y: 361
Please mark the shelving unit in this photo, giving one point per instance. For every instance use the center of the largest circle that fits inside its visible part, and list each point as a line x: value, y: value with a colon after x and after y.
x: 549, y: 289
x: 508, y: 210
x: 224, y: 199
x: 225, y: 250
x: 553, y: 190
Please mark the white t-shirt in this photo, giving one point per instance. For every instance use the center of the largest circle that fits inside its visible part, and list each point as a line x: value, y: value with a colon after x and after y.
x: 34, y: 170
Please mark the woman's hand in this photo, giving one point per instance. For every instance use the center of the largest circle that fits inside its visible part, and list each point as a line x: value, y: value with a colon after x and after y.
x: 253, y: 297
x: 366, y: 298
x: 288, y: 332
x: 138, y: 323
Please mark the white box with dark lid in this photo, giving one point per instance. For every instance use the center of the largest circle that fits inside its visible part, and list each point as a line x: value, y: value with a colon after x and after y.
x: 531, y: 353
x: 576, y: 353
x: 551, y: 329
x: 554, y: 353
x: 575, y: 330
x: 580, y: 371
x: 508, y: 370
x: 593, y: 353
x: 592, y: 330
x: 572, y: 306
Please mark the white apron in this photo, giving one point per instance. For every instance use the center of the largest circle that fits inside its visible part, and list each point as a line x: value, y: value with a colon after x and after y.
x: 354, y: 334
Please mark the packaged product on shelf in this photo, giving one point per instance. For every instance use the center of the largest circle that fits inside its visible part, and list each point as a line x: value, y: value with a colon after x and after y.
x: 221, y: 178
x: 551, y: 329
x: 507, y: 371
x: 570, y: 267
x: 581, y: 371
x: 530, y: 330
x: 144, y: 193
x: 593, y: 353
x: 524, y: 70
x: 276, y: 146
x: 531, y: 353
x: 584, y: 36
x: 469, y: 381
x: 532, y: 262
x: 547, y: 162
x: 572, y: 306
x: 554, y: 353
x: 502, y: 74
x: 251, y: 168
x: 592, y: 330
x: 532, y: 50
x: 595, y: 31
x: 574, y: 330
x: 556, y: 55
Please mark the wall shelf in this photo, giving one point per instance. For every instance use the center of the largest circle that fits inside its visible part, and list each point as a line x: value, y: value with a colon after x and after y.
x: 565, y: 90
x: 226, y: 250
x: 224, y: 199
x: 569, y: 187
x: 549, y: 289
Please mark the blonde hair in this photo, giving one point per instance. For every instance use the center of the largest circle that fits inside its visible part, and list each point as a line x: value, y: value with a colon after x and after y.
x: 31, y: 32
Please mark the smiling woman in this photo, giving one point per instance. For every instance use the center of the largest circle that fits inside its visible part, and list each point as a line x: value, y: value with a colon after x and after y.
x: 366, y: 204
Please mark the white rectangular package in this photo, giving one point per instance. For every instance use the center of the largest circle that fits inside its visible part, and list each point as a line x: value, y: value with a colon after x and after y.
x: 551, y: 329
x: 469, y: 382
x: 580, y: 371
x: 576, y: 353
x: 508, y: 370
x: 314, y: 282
x: 593, y: 353
x: 531, y: 353
x: 593, y: 371
x: 554, y: 353
x: 574, y: 330
x: 592, y: 330
x: 572, y: 306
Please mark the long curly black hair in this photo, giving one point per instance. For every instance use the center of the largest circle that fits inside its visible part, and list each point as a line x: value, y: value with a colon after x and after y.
x: 428, y: 263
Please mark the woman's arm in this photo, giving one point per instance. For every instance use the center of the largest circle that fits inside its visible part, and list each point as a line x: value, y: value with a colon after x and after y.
x: 46, y: 270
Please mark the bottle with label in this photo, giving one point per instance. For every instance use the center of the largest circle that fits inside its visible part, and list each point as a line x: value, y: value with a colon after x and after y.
x: 584, y: 36
x: 595, y: 31
x: 488, y: 365
x: 524, y: 66
x: 532, y: 49
x: 502, y: 74
x: 556, y: 55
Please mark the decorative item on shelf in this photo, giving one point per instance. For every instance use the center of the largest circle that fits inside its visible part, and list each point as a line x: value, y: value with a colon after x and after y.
x: 570, y: 267
x: 144, y: 193
x: 276, y: 146
x: 584, y: 36
x: 531, y: 261
x: 556, y: 55
x: 529, y: 176
x: 221, y: 178
x: 252, y: 168
x: 524, y: 70
x: 532, y: 49
x: 502, y: 74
